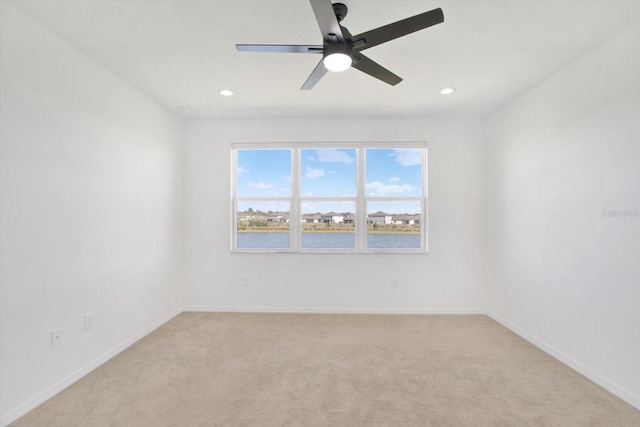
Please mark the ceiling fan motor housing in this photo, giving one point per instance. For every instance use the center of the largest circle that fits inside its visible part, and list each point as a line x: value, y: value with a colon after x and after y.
x: 332, y: 45
x: 331, y: 48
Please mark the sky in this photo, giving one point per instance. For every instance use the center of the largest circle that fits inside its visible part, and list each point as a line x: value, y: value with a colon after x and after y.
x: 330, y: 173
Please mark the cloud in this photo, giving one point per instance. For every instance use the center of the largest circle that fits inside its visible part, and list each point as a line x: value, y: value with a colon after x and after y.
x: 314, y: 173
x: 260, y: 185
x: 334, y: 156
x: 407, y: 156
x: 380, y: 189
x: 311, y: 158
x: 394, y: 179
x: 242, y: 170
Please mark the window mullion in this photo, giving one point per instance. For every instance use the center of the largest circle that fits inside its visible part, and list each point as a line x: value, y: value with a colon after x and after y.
x: 361, y: 222
x: 295, y: 216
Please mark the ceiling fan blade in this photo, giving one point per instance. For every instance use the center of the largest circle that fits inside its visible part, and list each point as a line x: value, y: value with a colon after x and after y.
x: 327, y: 21
x: 315, y: 76
x: 366, y: 65
x: 286, y: 48
x: 398, y: 29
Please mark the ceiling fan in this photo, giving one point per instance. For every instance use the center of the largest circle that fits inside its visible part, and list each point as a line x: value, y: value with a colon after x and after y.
x: 340, y: 50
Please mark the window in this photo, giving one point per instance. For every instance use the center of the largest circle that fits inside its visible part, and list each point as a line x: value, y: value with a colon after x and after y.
x: 329, y: 197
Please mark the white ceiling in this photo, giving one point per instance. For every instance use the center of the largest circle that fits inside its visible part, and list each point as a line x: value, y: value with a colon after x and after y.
x: 182, y: 52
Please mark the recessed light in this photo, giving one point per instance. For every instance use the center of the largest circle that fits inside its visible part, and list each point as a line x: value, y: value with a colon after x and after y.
x: 185, y: 110
x: 448, y: 90
x: 225, y: 92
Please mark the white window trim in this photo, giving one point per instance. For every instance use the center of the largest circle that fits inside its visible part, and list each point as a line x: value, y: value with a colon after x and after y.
x: 360, y: 199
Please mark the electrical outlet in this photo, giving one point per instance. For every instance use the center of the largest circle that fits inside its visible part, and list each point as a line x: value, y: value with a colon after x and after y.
x: 56, y: 337
x: 88, y: 321
x: 394, y: 283
x: 246, y: 282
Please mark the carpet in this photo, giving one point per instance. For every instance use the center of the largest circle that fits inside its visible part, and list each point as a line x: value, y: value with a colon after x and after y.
x: 248, y: 369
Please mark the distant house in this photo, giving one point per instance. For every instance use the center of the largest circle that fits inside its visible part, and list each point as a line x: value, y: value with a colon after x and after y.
x: 311, y: 218
x: 379, y: 218
x: 250, y: 215
x: 332, y: 218
x: 349, y: 218
x: 405, y: 219
x: 277, y: 217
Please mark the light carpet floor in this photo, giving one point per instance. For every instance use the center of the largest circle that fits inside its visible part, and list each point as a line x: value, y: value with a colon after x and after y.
x: 239, y: 369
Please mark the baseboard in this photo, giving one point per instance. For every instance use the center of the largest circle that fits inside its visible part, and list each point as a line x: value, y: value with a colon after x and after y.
x: 16, y: 413
x: 320, y: 310
x: 621, y: 392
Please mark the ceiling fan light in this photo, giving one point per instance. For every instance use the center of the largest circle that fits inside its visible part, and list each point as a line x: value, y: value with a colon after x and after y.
x: 337, y: 62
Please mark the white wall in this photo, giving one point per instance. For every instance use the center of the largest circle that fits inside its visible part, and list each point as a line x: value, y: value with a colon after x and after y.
x: 90, y: 192
x: 559, y: 271
x: 447, y: 279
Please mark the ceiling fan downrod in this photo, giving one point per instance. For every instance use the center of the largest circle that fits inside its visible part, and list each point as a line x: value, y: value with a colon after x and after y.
x: 340, y: 10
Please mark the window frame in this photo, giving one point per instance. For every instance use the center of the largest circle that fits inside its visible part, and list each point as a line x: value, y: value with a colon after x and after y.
x: 360, y: 199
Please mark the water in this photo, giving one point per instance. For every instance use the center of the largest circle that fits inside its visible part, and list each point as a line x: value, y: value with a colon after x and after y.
x: 263, y: 240
x: 395, y: 241
x: 327, y: 241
